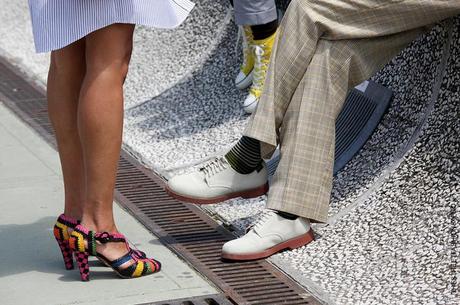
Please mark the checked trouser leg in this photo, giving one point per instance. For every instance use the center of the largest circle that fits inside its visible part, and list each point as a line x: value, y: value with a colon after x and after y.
x: 324, y: 48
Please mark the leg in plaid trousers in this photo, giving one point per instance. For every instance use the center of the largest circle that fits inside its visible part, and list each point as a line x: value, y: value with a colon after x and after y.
x: 324, y: 48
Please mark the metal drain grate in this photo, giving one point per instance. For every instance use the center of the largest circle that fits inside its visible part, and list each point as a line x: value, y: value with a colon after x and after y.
x: 202, y: 300
x: 185, y: 229
x: 199, y: 239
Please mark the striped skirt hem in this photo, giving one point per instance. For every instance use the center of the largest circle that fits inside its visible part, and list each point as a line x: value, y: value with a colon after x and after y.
x: 56, y: 23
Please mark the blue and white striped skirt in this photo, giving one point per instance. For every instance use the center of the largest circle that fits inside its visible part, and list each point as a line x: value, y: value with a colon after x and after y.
x: 58, y: 23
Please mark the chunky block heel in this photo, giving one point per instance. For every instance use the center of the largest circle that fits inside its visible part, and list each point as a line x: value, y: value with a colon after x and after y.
x: 61, y: 233
x: 83, y: 266
x: 66, y: 253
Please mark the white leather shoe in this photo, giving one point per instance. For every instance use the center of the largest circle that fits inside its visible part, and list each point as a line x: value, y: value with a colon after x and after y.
x: 250, y: 103
x: 271, y: 234
x: 217, y: 181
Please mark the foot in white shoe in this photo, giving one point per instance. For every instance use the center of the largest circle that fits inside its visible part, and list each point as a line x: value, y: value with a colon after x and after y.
x: 217, y: 181
x: 250, y: 103
x: 262, y: 52
x: 271, y: 234
x: 243, y: 80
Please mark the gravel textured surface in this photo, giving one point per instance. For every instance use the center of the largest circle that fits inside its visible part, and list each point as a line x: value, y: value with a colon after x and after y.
x: 163, y: 58
x: 16, y: 41
x: 393, y: 235
x: 411, y: 77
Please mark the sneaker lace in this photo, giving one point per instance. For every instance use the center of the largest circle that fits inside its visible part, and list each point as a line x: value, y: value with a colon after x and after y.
x: 260, y: 69
x: 215, y: 166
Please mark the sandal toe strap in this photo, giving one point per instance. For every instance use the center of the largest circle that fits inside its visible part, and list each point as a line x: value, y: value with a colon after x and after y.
x: 138, y: 253
x: 122, y: 260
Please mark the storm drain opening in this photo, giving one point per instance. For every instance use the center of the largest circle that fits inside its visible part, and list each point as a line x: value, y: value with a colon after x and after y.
x: 183, y: 228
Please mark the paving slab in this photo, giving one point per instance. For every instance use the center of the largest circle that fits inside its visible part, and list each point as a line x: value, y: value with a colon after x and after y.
x: 32, y: 271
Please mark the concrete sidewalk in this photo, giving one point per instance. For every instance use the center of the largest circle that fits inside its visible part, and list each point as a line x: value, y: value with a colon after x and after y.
x: 31, y: 268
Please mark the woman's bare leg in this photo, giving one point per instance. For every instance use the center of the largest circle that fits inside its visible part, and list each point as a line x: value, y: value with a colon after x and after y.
x: 100, y: 123
x: 66, y: 74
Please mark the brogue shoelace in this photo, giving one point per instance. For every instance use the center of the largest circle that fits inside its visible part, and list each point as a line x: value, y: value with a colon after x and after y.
x: 214, y: 167
x: 261, y: 220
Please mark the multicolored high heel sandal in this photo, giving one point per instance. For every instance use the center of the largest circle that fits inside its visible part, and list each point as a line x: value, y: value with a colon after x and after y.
x: 81, y: 236
x: 61, y: 233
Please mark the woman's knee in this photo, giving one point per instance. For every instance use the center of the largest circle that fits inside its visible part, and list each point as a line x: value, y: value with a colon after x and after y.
x: 69, y: 60
x: 109, y: 52
x: 113, y: 67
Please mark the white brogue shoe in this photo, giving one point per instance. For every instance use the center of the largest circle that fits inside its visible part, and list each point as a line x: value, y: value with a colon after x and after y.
x: 217, y: 181
x: 271, y: 234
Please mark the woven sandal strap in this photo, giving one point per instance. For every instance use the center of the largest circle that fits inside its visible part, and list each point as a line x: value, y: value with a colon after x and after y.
x: 122, y: 260
x: 105, y: 237
x: 92, y: 243
x: 127, y: 272
x: 67, y: 221
x: 137, y: 253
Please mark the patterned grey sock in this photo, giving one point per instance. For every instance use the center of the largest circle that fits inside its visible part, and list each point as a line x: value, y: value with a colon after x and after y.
x: 287, y: 215
x: 245, y: 156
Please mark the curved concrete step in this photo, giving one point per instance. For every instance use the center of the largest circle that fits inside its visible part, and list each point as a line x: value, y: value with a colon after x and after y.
x: 162, y: 58
x: 194, y: 120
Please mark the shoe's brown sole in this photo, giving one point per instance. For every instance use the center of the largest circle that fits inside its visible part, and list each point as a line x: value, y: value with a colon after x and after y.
x: 291, y: 244
x: 259, y: 191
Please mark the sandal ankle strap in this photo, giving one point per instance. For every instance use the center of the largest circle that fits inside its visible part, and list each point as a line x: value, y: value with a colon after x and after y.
x: 81, y: 233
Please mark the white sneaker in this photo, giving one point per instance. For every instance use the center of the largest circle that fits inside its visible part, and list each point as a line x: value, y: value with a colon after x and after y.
x: 262, y: 51
x: 250, y: 103
x: 217, y: 181
x: 242, y: 80
x: 271, y: 234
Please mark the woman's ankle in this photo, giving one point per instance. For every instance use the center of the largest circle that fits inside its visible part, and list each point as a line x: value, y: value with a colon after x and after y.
x: 98, y: 225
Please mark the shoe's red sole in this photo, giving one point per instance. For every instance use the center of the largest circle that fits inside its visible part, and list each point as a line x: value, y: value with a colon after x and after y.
x: 291, y: 244
x: 244, y: 194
